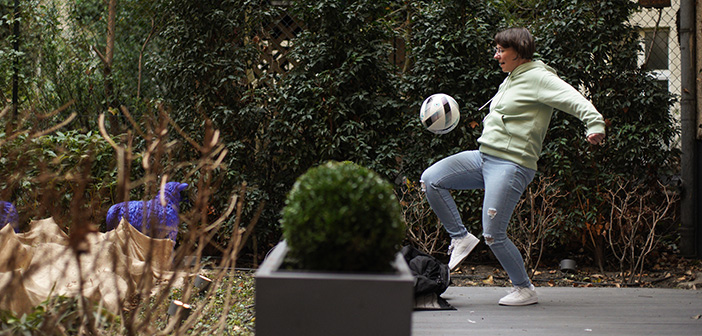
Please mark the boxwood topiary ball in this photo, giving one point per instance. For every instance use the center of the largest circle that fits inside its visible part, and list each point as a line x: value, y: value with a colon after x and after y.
x: 342, y: 217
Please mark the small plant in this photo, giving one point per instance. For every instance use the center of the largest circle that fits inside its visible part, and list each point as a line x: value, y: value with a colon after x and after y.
x: 59, y: 315
x: 638, y: 217
x: 536, y: 217
x: 424, y: 230
x: 342, y: 217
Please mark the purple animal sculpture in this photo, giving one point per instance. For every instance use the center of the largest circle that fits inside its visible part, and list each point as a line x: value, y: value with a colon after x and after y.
x: 151, y: 217
x: 8, y: 215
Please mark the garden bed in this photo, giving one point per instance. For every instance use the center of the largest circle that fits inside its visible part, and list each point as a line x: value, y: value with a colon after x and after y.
x: 670, y: 271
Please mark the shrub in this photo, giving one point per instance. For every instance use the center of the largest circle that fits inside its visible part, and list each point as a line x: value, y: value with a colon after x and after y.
x: 205, y: 74
x: 449, y: 48
x: 360, y: 72
x: 342, y: 217
x: 40, y: 174
x: 594, y: 48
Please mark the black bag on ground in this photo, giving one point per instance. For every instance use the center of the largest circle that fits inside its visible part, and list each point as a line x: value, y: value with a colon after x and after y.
x: 430, y: 275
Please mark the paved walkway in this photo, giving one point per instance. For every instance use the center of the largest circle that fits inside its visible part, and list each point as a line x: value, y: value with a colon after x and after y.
x: 566, y: 311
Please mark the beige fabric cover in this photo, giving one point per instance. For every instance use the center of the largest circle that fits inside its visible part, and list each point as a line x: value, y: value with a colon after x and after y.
x: 38, y: 264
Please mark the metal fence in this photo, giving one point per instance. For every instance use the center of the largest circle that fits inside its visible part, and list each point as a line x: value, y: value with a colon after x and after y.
x: 661, y: 45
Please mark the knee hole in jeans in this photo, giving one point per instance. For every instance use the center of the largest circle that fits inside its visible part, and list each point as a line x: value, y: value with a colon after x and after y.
x: 492, y: 212
x: 489, y: 240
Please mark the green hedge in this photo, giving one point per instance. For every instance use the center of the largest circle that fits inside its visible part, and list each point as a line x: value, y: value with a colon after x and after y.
x: 41, y: 176
x: 351, y: 98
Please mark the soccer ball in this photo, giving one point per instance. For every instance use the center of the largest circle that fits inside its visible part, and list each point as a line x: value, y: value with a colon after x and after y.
x: 439, y: 113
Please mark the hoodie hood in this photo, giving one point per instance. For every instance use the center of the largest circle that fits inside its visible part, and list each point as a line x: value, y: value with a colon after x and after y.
x: 530, y: 66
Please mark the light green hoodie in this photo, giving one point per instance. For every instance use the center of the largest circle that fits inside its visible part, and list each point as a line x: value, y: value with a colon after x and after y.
x: 521, y: 111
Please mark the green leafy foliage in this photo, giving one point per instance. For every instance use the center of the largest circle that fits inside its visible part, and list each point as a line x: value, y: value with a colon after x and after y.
x: 594, y: 48
x: 639, y: 145
x: 39, y: 174
x: 450, y: 48
x: 362, y: 69
x: 206, y: 73
x: 56, y: 316
x: 342, y: 102
x: 60, y: 58
x: 342, y: 217
x: 227, y: 309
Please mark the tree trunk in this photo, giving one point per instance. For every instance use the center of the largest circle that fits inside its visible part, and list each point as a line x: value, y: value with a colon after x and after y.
x: 112, y: 105
x: 15, y: 68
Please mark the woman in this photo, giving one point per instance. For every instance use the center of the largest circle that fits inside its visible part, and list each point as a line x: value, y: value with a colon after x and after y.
x: 505, y: 163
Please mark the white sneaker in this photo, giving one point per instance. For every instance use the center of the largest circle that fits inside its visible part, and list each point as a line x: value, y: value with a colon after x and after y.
x: 460, y: 248
x: 520, y: 296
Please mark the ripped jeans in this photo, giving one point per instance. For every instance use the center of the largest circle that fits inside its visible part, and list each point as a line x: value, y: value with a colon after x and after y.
x: 504, y: 182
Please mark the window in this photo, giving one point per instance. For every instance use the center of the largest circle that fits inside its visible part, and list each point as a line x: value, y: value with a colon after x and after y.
x: 656, y: 48
x: 663, y: 83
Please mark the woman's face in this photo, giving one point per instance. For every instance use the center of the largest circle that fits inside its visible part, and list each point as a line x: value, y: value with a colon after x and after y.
x: 508, y: 58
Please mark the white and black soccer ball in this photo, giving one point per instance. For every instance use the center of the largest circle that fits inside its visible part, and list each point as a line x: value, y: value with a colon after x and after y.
x: 439, y: 113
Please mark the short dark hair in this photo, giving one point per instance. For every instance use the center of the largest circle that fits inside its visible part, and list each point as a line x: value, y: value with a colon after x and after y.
x: 518, y: 38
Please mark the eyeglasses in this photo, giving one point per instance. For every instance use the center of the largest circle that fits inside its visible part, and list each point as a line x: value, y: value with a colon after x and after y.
x: 499, y: 50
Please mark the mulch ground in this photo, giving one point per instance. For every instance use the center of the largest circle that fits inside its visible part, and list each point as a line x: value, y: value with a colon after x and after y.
x: 669, y: 271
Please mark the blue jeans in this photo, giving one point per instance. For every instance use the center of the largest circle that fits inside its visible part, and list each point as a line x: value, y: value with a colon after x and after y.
x: 504, y: 182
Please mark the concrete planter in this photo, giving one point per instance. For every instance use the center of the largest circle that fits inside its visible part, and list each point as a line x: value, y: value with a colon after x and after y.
x: 315, y: 303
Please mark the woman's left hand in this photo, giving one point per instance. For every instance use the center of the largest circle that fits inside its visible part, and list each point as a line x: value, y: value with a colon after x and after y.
x: 596, y: 138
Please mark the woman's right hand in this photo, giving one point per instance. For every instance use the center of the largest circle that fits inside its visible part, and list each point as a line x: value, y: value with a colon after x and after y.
x: 596, y: 138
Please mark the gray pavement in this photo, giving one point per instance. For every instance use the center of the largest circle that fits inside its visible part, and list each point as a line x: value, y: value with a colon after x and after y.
x: 566, y: 311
